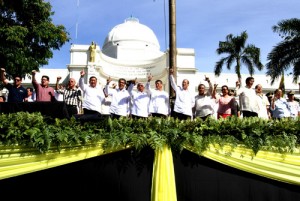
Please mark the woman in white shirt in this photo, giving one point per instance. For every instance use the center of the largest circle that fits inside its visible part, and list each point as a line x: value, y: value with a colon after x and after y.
x: 204, y: 104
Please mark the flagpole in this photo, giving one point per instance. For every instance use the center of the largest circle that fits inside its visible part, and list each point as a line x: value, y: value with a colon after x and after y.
x: 172, y: 38
x: 172, y: 41
x: 77, y: 16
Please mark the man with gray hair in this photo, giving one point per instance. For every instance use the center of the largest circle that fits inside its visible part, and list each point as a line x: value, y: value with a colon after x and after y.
x: 184, y: 101
x: 71, y: 96
x: 119, y: 106
x: 140, y: 100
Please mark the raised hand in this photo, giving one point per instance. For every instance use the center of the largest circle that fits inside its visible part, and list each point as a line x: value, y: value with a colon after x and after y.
x: 108, y: 80
x: 150, y: 77
x: 82, y: 73
x: 206, y: 78
x: 134, y: 81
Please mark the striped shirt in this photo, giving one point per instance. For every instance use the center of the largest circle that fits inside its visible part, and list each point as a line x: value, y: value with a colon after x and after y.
x: 71, y: 96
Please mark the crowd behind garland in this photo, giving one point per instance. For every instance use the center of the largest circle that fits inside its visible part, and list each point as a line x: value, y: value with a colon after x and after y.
x: 138, y: 100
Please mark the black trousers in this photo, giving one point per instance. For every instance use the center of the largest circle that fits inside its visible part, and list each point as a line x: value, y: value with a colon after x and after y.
x: 137, y: 117
x: 87, y: 111
x: 205, y: 117
x: 115, y: 116
x: 249, y: 114
x: 72, y: 110
x: 158, y: 115
x: 181, y: 116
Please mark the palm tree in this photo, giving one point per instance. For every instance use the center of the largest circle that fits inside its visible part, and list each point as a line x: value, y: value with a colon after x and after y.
x: 239, y: 53
x: 286, y: 53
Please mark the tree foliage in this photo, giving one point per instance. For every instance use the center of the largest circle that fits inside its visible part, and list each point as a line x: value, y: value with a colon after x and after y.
x: 27, y: 35
x: 287, y: 52
x: 238, y: 53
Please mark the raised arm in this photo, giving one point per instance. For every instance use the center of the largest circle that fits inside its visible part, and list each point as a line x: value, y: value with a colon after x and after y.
x: 33, y: 75
x: 2, y: 76
x: 130, y: 89
x: 132, y: 84
x: 214, y: 93
x: 81, y: 82
x: 210, y: 87
x: 33, y: 81
x: 147, y: 87
x: 106, y: 88
x: 57, y: 81
x: 172, y: 80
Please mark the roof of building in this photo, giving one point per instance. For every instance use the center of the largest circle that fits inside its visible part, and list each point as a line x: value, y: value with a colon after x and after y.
x: 130, y: 33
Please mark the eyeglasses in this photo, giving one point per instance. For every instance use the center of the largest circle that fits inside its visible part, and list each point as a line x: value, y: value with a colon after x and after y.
x: 17, y: 80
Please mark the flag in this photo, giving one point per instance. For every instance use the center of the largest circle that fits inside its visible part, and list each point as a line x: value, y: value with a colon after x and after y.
x: 281, y: 84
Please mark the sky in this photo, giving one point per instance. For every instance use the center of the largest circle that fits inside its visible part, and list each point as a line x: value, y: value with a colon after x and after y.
x: 200, y: 24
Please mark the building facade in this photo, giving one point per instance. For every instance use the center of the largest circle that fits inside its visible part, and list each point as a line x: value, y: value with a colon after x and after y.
x: 131, y: 50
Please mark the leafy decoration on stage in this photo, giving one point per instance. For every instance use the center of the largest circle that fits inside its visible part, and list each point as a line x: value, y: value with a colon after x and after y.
x: 32, y: 130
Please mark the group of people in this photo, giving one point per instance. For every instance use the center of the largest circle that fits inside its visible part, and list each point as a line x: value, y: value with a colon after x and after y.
x: 41, y: 91
x: 122, y: 100
x: 145, y: 102
x: 250, y: 102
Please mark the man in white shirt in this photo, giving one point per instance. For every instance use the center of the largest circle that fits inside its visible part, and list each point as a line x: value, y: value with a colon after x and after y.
x: 93, y: 95
x: 184, y: 101
x: 159, y: 101
x: 247, y: 97
x: 119, y: 106
x: 140, y: 100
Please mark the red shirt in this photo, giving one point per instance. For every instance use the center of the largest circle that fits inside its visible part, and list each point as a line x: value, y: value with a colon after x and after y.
x: 43, y: 93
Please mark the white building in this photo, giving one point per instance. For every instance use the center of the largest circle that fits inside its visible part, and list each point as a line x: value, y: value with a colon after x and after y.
x: 131, y: 50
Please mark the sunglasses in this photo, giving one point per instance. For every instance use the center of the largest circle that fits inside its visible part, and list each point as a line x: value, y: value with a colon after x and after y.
x: 17, y: 80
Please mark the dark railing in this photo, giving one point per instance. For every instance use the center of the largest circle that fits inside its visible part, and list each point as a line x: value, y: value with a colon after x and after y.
x: 56, y: 109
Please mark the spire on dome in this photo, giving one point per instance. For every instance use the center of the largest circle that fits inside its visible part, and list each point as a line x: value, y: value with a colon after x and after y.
x: 132, y: 19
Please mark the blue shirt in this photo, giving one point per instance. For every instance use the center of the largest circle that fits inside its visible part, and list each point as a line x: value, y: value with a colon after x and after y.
x: 16, y: 94
x: 282, y: 109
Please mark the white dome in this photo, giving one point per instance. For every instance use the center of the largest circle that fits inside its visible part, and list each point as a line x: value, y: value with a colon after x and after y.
x: 130, y: 34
